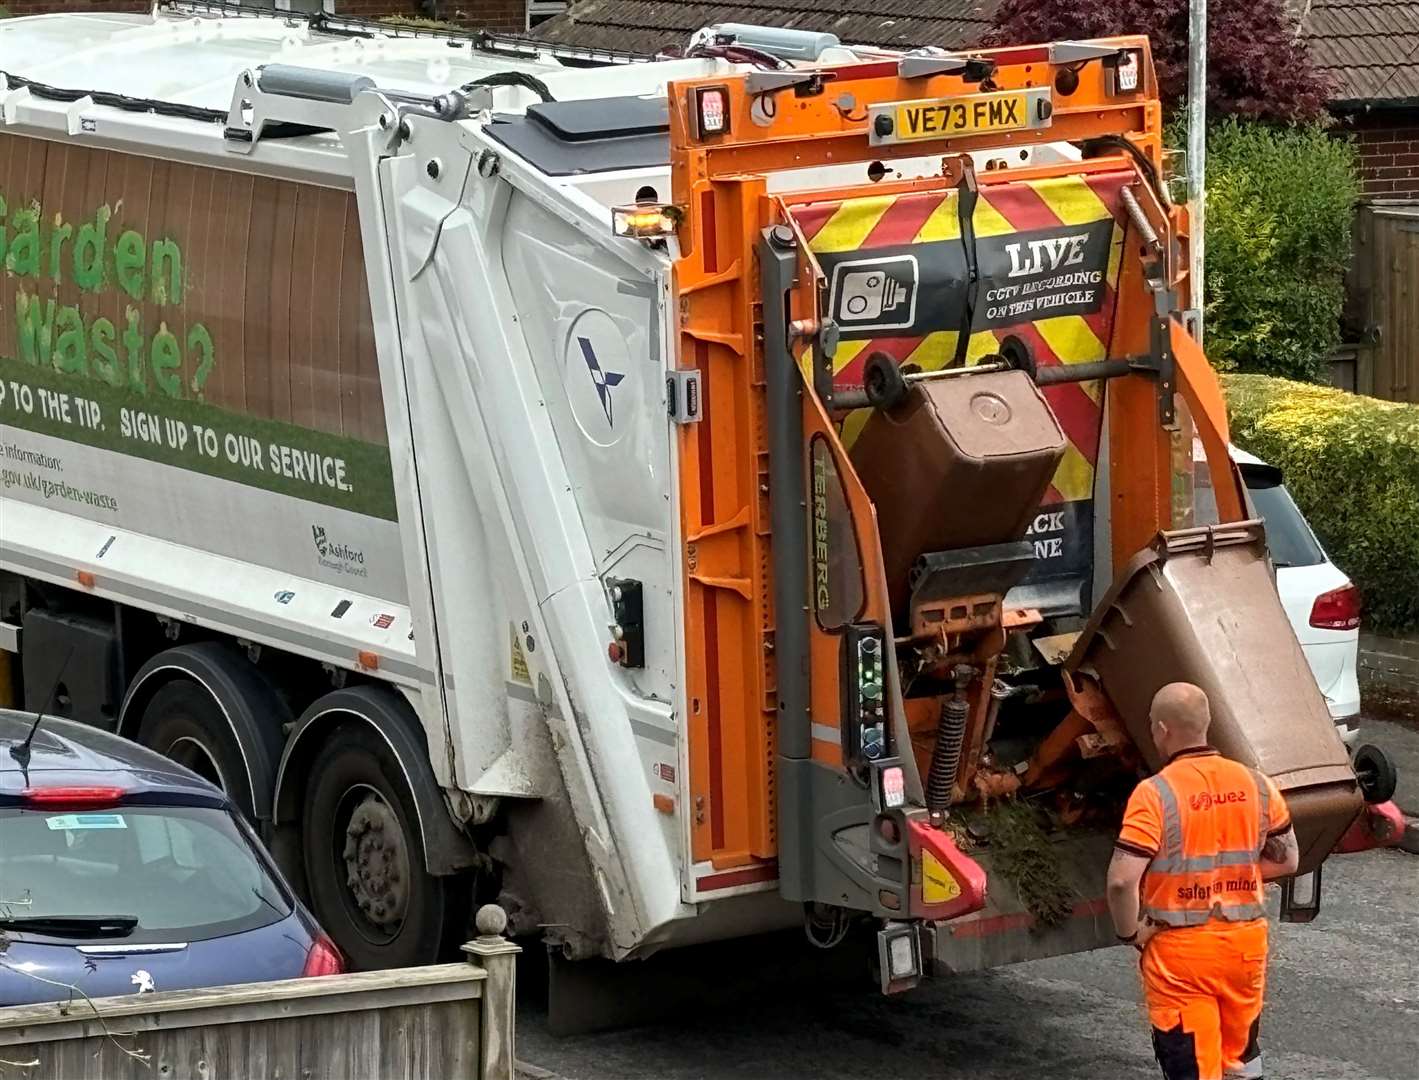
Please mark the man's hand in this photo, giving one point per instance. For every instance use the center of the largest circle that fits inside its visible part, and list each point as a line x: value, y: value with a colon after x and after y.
x: 1280, y: 856
x: 1147, y: 931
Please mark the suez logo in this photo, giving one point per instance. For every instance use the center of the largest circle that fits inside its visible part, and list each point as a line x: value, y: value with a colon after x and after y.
x: 1206, y: 800
x: 337, y: 556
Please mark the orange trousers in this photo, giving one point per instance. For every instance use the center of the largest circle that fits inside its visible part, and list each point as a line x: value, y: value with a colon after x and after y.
x: 1204, y: 987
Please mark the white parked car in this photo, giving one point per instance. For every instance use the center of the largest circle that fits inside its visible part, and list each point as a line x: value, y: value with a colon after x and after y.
x: 1323, y: 605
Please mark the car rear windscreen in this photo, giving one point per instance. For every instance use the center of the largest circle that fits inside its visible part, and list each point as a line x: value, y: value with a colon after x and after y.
x: 186, y: 873
x: 1288, y: 537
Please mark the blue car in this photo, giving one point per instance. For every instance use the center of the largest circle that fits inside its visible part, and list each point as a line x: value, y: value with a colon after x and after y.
x: 122, y: 872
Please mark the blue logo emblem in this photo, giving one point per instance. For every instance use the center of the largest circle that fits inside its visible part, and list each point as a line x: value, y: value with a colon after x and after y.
x: 603, y: 380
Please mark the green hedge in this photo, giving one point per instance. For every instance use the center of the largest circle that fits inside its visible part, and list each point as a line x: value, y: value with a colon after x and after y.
x: 1352, y: 464
x: 1279, y: 206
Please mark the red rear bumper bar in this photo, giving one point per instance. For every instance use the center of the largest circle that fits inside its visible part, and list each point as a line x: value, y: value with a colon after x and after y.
x: 1377, y: 825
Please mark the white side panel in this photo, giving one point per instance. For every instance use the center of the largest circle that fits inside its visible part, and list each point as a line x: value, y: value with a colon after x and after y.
x: 593, y: 328
x: 510, y: 537
x: 252, y: 602
x: 327, y: 544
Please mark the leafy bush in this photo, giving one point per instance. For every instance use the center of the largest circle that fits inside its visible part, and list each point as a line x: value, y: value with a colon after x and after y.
x: 1257, y: 66
x: 1352, y: 464
x: 1279, y: 206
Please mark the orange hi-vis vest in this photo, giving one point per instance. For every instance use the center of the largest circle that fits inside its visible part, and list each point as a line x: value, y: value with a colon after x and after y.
x: 1203, y: 821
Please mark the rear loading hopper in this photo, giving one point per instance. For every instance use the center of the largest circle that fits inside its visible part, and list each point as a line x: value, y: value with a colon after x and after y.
x: 1200, y: 606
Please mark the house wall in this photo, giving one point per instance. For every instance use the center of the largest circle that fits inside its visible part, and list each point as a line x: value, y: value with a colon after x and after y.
x: 507, y: 15
x: 1388, y: 141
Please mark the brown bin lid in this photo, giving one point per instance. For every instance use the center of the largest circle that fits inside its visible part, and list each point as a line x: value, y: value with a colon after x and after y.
x: 994, y: 415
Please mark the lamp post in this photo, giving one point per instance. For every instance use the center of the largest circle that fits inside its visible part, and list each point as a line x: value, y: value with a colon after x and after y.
x: 1197, y: 148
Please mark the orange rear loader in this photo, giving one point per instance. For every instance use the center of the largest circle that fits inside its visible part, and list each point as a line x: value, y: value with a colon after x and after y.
x: 938, y: 305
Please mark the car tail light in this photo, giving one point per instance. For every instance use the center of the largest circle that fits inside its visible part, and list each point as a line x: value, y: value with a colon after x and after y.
x: 87, y: 797
x: 323, y: 959
x: 1338, y: 609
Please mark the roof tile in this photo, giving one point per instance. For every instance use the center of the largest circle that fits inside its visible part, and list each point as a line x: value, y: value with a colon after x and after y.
x: 1369, y: 48
x: 655, y: 24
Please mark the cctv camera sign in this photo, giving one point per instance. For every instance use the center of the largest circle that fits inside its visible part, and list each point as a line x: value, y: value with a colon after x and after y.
x: 1042, y: 274
x: 918, y: 289
x: 876, y: 293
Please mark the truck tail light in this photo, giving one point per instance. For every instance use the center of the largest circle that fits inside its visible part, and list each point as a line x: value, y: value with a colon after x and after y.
x: 894, y: 787
x: 1125, y: 72
x: 323, y: 959
x: 712, y: 110
x: 53, y: 798
x: 1338, y: 609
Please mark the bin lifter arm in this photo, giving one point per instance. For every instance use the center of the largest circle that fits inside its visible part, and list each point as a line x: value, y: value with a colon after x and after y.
x: 1203, y: 393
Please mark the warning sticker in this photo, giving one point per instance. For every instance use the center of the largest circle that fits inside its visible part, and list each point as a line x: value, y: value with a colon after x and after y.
x: 937, y: 886
x: 1022, y: 277
x: 1042, y: 274
x: 520, y: 674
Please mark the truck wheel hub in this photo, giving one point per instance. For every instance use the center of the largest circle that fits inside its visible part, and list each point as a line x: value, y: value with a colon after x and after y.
x: 377, y: 864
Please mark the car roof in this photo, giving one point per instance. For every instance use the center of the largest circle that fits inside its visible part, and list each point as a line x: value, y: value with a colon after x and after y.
x: 66, y: 753
x: 1237, y: 454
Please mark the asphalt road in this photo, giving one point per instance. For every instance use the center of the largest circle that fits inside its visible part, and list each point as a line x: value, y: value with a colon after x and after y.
x: 1342, y: 1004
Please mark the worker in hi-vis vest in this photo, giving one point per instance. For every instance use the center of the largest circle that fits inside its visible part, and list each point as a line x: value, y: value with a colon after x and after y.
x: 1198, y: 841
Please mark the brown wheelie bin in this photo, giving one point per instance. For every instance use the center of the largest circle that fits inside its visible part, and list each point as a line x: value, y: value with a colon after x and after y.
x: 1200, y: 606
x: 962, y: 462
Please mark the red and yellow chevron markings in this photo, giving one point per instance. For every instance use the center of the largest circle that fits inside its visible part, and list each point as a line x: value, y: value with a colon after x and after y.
x: 881, y: 221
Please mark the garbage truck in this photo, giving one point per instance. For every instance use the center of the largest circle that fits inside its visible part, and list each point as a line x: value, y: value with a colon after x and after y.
x: 674, y: 498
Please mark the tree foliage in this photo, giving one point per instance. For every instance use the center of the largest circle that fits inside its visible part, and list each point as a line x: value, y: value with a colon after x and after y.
x: 1257, y: 67
x: 1280, y: 202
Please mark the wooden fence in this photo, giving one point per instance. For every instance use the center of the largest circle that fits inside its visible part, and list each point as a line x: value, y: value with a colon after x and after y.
x: 1385, y: 296
x: 452, y: 1021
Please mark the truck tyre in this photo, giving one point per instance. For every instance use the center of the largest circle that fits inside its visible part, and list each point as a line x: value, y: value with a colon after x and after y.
x: 182, y: 722
x: 364, y: 860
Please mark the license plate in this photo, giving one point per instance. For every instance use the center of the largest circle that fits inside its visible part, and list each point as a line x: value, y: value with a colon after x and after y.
x: 952, y: 117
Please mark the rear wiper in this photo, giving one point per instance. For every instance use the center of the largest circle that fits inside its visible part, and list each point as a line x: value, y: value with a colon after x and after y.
x: 73, y: 925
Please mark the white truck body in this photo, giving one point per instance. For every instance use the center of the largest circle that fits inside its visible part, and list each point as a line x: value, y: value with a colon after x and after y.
x: 521, y: 479
x: 517, y: 489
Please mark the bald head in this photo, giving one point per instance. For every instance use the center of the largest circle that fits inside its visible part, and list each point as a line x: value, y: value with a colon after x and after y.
x: 1180, y: 717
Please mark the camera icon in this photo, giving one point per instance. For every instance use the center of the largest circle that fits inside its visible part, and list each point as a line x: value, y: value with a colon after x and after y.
x: 875, y: 294
x: 868, y: 293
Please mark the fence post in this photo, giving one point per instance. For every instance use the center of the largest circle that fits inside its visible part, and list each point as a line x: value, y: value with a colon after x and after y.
x: 498, y: 957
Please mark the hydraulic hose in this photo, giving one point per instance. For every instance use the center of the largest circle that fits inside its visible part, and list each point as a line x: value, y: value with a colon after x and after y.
x: 950, y: 734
